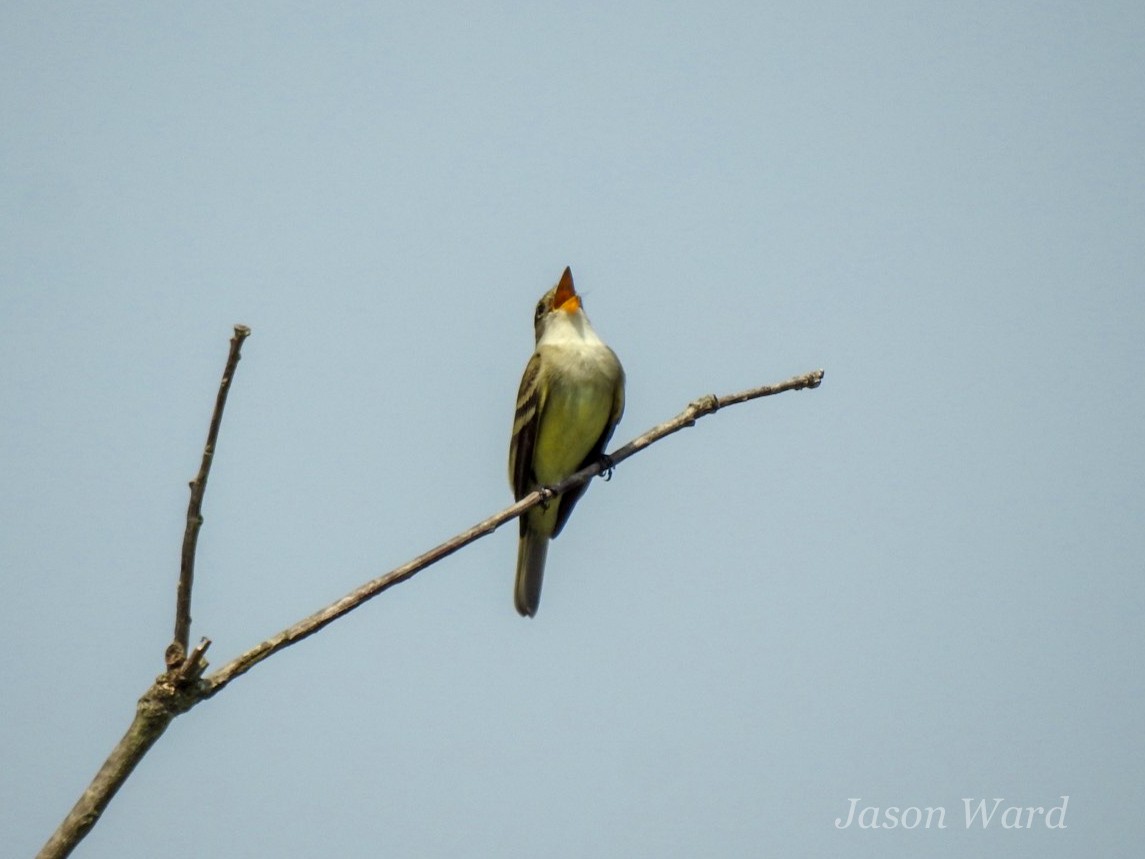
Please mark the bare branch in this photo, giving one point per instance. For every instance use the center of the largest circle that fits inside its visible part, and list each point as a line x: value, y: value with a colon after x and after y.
x: 214, y: 683
x: 177, y: 652
x: 177, y: 690
x: 183, y: 685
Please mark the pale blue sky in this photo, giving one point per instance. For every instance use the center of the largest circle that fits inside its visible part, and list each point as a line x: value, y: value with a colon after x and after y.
x: 920, y: 583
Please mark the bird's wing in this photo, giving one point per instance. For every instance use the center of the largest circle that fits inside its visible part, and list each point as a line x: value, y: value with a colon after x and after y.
x: 525, y: 423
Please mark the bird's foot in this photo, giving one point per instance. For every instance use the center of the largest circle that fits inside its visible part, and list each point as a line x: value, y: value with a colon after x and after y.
x: 606, y: 466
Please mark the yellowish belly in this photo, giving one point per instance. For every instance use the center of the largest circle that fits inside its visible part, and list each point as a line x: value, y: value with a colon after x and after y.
x: 573, y: 419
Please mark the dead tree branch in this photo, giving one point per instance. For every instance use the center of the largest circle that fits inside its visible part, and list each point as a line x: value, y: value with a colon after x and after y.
x: 178, y: 689
x: 183, y: 685
x: 177, y: 652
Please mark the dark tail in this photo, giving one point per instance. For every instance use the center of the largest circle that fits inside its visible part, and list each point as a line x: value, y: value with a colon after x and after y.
x: 531, y: 551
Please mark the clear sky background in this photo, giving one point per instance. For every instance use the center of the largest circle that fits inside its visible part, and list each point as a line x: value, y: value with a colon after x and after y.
x: 919, y: 583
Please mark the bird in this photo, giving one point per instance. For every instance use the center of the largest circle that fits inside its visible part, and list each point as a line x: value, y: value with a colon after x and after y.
x: 568, y: 405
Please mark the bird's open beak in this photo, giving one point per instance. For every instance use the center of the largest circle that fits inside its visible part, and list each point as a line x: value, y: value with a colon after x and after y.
x: 566, y: 298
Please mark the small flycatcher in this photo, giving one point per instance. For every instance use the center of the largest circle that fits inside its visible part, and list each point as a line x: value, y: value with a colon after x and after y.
x: 571, y: 399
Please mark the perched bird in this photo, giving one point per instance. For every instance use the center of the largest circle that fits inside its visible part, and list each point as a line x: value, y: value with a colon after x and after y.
x: 570, y: 400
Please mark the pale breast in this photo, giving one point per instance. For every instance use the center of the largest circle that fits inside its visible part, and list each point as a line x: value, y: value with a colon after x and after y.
x: 576, y: 411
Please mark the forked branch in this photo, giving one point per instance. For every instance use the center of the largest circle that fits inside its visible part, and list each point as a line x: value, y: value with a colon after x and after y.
x: 182, y: 686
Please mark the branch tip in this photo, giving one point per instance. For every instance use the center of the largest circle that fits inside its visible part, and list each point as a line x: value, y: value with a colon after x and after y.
x: 198, y: 486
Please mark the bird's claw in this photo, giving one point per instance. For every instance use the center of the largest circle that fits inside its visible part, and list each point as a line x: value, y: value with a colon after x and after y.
x: 606, y: 466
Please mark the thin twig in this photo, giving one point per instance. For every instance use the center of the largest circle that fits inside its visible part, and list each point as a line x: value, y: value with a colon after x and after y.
x: 215, y: 682
x: 177, y: 652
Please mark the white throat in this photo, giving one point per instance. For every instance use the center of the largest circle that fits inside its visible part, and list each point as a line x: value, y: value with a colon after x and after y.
x: 569, y: 329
